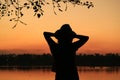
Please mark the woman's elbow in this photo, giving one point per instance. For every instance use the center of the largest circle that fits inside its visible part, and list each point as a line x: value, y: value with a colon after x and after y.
x: 44, y: 33
x: 86, y: 38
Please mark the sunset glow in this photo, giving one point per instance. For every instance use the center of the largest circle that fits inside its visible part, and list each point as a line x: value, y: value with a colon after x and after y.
x: 101, y: 24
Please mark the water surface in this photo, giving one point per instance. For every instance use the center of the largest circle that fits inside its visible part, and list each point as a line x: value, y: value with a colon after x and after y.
x: 85, y: 73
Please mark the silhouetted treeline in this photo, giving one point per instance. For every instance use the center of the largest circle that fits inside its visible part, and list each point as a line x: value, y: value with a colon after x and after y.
x: 98, y: 60
x: 25, y: 60
x: 32, y: 60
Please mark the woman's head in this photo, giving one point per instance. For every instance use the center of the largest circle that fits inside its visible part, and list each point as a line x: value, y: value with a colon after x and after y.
x: 65, y: 33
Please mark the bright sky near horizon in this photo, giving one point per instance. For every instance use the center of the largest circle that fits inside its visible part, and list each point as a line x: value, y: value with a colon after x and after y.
x: 101, y: 24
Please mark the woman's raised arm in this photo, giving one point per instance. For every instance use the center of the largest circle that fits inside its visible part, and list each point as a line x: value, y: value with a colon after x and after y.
x: 48, y: 38
x: 82, y: 40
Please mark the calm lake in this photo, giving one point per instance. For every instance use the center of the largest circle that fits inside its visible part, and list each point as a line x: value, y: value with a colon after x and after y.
x: 85, y: 73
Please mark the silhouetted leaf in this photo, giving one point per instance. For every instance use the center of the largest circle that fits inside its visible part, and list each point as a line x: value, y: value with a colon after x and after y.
x: 61, y: 10
x: 17, y: 8
x: 36, y: 2
x: 8, y: 14
x: 41, y: 13
x: 25, y: 4
x: 38, y: 15
x: 34, y: 7
x: 32, y: 3
x: 16, y: 13
x: 28, y: 7
x: 88, y: 6
x: 10, y: 20
x: 21, y: 14
x: 35, y: 10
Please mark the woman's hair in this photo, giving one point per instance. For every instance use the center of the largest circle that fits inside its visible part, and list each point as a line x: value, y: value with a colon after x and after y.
x: 65, y: 32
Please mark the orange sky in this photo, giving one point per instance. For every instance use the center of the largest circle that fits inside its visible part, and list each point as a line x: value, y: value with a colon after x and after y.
x: 101, y: 24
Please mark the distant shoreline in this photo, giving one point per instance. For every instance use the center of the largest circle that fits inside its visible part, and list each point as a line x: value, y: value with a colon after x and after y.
x: 32, y: 60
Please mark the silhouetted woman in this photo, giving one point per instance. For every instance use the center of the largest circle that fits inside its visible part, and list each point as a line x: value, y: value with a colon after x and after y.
x: 64, y: 52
